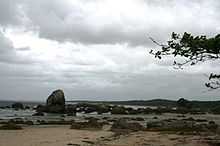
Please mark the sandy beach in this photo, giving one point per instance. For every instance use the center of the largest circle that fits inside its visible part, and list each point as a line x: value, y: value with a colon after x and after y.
x: 64, y: 136
x: 49, y: 136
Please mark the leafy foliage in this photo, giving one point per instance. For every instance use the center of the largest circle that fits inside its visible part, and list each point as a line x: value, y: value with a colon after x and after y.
x: 194, y: 49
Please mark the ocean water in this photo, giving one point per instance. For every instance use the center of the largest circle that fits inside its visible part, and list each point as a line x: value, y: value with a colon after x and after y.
x: 8, y: 113
x: 11, y: 114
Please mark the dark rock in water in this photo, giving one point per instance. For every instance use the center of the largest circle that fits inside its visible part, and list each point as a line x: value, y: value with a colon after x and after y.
x: 40, y: 108
x: 122, y: 124
x: 91, y: 118
x: 7, y: 106
x: 189, y: 119
x: 155, y: 117
x: 71, y: 114
x: 138, y: 119
x: 71, y: 110
x: 132, y: 111
x: 56, y: 102
x: 17, y: 106
x: 10, y: 126
x: 102, y: 108
x: 27, y: 107
x: 38, y: 114
x: 17, y: 121
x: 155, y: 124
x: 201, y: 120
x: 212, y: 126
x: 89, y: 108
x: 29, y: 122
x: 216, y: 110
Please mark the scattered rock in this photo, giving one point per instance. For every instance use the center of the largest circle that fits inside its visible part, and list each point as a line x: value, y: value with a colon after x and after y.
x: 72, y: 144
x: 61, y: 122
x: 123, y: 124
x: 38, y: 114
x: 139, y: 119
x: 89, y: 142
x: 27, y: 107
x: 201, y: 120
x: 189, y: 119
x: 119, y: 110
x: 155, y: 117
x: 17, y: 106
x: 91, y: 124
x: 181, y: 116
x: 212, y: 126
x: 17, y: 121
x: 29, y: 122
x: 183, y: 125
x: 10, y: 126
x: 40, y: 108
x: 71, y: 110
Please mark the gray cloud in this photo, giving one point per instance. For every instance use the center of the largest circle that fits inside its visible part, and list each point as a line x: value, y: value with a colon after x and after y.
x: 97, y: 49
x: 9, y: 54
x: 11, y: 12
x: 106, y: 22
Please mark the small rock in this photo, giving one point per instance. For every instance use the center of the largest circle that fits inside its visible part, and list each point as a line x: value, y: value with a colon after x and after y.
x: 38, y: 114
x: 72, y: 144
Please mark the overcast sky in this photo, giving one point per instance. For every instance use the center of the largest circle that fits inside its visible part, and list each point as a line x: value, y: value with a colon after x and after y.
x: 98, y: 49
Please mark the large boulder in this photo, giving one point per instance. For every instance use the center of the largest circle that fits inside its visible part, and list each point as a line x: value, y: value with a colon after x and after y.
x: 56, y: 102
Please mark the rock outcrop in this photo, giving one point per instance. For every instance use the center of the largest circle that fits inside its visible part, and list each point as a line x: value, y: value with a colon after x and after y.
x: 56, y: 102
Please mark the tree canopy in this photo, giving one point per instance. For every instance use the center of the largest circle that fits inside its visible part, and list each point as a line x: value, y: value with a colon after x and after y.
x: 194, y: 49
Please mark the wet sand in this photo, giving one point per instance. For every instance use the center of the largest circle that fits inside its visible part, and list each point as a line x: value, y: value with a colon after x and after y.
x: 64, y: 136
